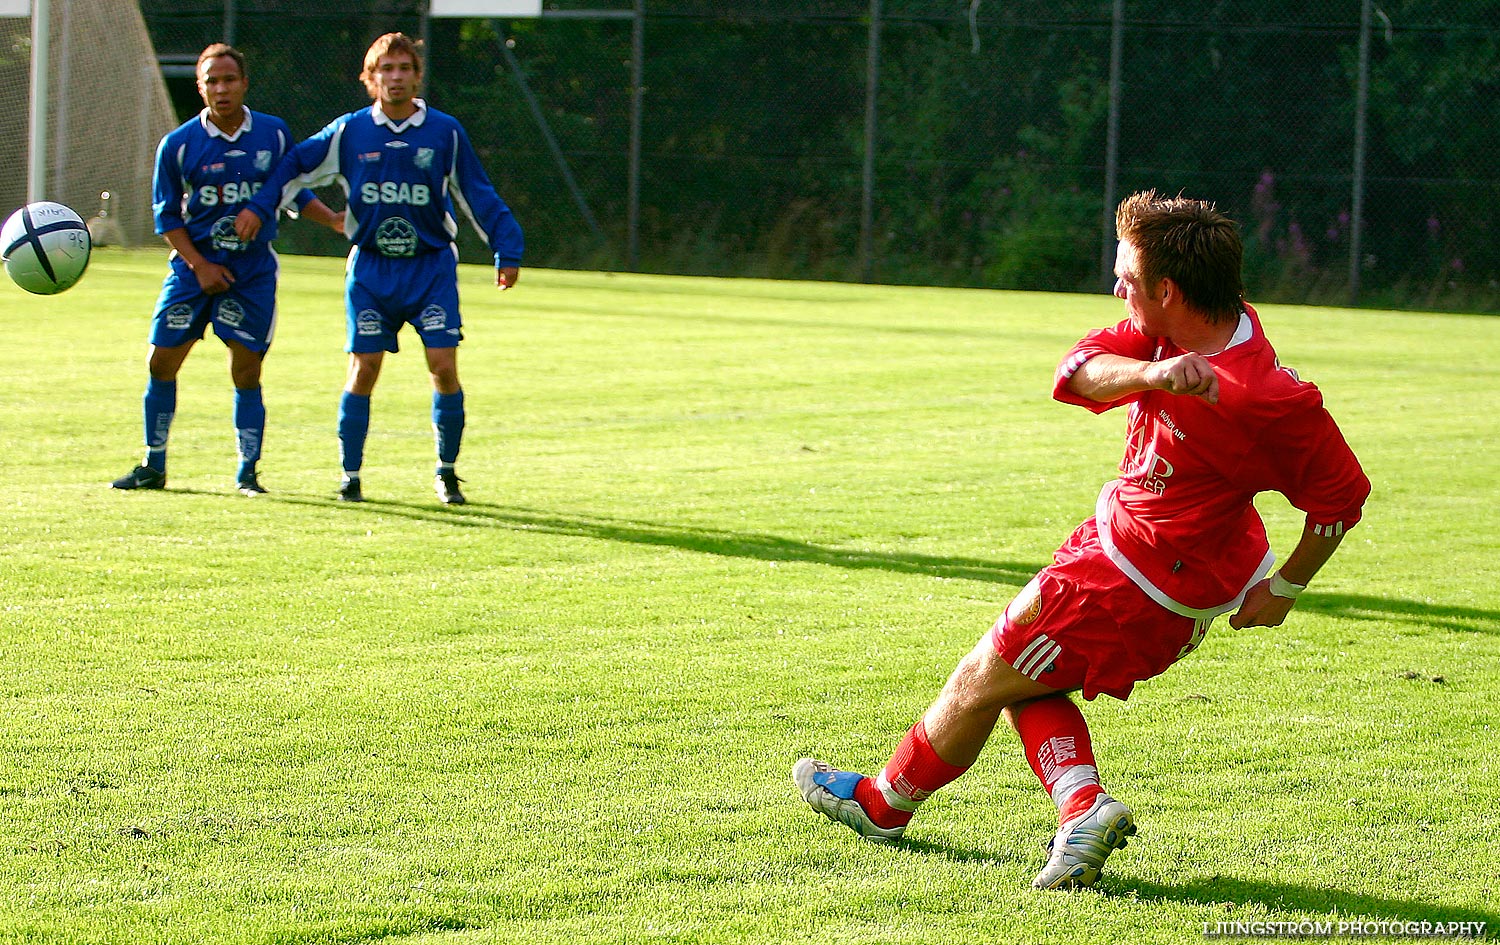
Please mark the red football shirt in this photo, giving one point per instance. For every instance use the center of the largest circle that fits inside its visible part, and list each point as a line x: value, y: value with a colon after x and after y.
x: 1179, y: 520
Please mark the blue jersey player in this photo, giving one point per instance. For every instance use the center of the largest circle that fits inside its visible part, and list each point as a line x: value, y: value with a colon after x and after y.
x: 206, y: 170
x: 405, y: 166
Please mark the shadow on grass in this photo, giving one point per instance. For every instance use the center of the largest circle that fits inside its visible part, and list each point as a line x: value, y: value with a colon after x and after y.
x: 1366, y: 607
x: 775, y: 548
x: 1229, y: 891
x: 702, y: 540
x: 1292, y: 897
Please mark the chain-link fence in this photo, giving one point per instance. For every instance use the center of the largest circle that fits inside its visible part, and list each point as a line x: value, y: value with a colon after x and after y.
x: 954, y: 142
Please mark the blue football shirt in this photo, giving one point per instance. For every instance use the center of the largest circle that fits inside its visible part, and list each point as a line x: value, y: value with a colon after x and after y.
x: 204, y: 177
x: 403, y: 181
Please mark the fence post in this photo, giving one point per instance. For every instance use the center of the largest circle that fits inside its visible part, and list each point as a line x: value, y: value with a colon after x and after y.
x: 555, y: 149
x: 1112, y: 145
x: 867, y: 195
x: 1361, y: 114
x: 633, y: 186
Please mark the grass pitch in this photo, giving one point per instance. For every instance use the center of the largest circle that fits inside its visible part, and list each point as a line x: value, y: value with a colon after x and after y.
x: 713, y: 525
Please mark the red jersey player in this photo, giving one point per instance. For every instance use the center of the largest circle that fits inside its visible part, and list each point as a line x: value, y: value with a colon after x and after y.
x: 1174, y: 542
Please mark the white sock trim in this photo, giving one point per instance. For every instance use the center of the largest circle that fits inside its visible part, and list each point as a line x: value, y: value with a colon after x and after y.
x: 893, y: 795
x: 1070, y: 780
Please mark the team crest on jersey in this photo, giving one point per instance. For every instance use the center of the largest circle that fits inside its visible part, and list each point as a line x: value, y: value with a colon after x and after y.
x: 423, y: 158
x: 262, y: 160
x: 434, y: 318
x: 178, y: 317
x: 231, y: 313
x: 224, y: 237
x: 367, y: 322
x: 1027, y: 605
x: 396, y: 237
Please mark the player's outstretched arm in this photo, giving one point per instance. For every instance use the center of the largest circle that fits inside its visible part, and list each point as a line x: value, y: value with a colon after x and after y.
x: 471, y: 189
x: 1268, y: 603
x: 317, y: 211
x: 1110, y: 377
x: 312, y: 163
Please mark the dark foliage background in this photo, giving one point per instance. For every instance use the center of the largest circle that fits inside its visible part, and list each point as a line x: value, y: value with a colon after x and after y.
x: 990, y: 157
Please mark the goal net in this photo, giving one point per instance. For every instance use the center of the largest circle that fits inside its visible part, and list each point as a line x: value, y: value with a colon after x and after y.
x: 108, y: 108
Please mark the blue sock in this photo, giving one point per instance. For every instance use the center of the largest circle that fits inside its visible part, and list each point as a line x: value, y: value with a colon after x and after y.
x: 249, y: 427
x: 354, y: 427
x: 448, y: 425
x: 160, y: 405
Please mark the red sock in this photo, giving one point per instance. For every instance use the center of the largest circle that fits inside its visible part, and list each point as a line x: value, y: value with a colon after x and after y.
x: 909, y: 778
x: 1056, y: 739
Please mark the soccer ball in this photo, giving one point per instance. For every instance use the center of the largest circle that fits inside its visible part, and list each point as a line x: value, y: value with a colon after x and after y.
x: 45, y: 246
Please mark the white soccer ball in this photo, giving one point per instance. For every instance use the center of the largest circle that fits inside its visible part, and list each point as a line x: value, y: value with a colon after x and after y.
x: 46, y: 247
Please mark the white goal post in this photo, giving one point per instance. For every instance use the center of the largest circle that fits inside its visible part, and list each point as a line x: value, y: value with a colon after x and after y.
x: 63, y: 133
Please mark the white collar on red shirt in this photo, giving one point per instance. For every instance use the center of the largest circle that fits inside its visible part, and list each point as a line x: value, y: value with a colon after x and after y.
x: 214, y: 131
x: 414, y: 121
x: 1243, y: 332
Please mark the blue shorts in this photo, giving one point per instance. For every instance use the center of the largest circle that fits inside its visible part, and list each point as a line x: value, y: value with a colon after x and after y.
x: 382, y: 294
x: 246, y: 313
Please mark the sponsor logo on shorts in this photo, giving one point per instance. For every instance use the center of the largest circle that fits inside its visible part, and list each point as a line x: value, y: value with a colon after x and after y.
x: 367, y: 322
x: 179, y: 317
x: 224, y: 237
x: 396, y: 237
x: 1027, y: 605
x: 434, y: 318
x: 231, y: 313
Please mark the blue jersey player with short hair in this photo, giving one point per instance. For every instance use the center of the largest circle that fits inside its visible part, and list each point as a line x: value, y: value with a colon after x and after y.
x: 206, y: 170
x: 405, y: 166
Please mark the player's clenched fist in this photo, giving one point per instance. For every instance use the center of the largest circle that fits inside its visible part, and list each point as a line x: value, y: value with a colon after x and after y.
x: 246, y: 225
x: 1261, y: 608
x: 1189, y: 374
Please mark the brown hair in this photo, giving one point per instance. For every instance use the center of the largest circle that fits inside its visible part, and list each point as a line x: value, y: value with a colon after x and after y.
x: 1189, y: 242
x: 216, y: 50
x: 391, y: 44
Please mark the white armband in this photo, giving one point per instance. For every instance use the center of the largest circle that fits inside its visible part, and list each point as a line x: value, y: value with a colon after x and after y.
x: 1281, y: 587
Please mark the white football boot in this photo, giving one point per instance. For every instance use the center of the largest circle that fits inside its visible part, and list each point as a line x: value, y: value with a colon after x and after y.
x: 830, y: 792
x: 1083, y: 844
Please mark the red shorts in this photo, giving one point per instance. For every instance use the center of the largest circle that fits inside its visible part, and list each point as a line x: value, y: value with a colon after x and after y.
x: 1082, y: 624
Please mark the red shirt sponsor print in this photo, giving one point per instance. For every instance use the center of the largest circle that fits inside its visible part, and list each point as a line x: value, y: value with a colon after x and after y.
x: 1179, y: 519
